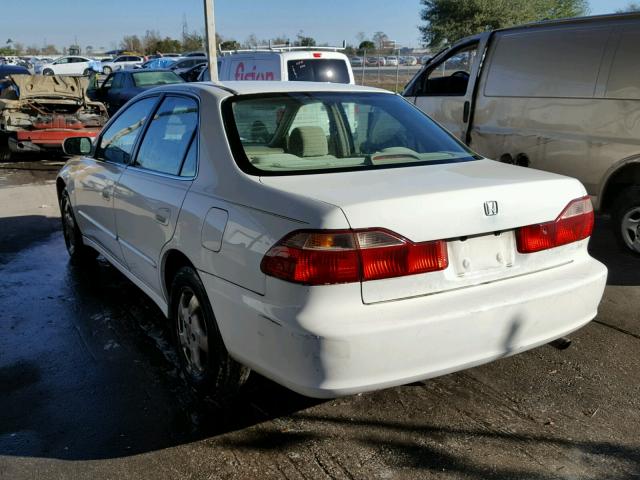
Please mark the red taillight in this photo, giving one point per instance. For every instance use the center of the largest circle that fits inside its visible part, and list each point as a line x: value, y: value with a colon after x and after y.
x: 573, y: 224
x: 321, y: 257
x: 317, y: 55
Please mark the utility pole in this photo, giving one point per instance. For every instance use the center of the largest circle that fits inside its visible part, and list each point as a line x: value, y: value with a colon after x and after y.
x: 210, y: 32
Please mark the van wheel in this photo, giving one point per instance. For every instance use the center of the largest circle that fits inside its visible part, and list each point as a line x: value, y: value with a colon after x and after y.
x: 80, y: 253
x: 626, y: 216
x: 205, y: 361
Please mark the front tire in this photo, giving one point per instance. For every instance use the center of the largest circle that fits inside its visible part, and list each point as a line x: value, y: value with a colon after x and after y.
x: 106, y: 70
x: 205, y: 361
x: 626, y: 218
x: 80, y: 253
x: 48, y: 72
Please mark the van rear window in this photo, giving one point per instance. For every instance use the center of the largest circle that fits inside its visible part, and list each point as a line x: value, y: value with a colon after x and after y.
x: 318, y: 70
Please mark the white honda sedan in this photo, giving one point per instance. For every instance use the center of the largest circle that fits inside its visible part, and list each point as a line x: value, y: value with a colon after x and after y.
x: 331, y: 237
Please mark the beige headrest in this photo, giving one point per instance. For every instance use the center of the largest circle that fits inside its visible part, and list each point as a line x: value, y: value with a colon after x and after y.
x: 308, y: 142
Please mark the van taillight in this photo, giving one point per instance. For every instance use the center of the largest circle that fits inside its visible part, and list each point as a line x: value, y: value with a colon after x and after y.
x: 322, y: 257
x: 573, y: 224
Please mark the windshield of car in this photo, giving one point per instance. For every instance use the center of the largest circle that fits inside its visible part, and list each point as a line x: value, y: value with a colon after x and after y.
x: 296, y: 133
x: 318, y: 70
x: 147, y: 79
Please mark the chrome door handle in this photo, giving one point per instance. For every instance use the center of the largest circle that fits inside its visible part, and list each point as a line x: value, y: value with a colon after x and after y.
x: 163, y: 215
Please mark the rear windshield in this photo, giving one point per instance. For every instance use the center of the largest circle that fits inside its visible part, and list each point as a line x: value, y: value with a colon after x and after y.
x: 318, y: 70
x: 147, y: 79
x: 297, y: 133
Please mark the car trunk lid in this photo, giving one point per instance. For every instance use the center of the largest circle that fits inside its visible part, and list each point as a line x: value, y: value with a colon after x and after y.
x: 474, y: 205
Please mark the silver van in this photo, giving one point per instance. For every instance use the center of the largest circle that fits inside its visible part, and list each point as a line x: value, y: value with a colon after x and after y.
x: 562, y: 96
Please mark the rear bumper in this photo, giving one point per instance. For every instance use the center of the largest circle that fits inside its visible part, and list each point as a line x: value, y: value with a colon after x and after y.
x: 26, y: 140
x: 333, y: 346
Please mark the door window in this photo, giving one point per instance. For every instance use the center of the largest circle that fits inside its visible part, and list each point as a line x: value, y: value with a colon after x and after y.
x: 451, y: 76
x: 61, y: 61
x: 117, y: 142
x: 118, y: 81
x: 167, y: 139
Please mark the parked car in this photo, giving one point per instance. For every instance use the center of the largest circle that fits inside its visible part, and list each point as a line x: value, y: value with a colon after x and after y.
x: 158, y: 63
x: 122, y: 62
x: 375, y: 61
x: 356, y: 61
x: 195, y: 54
x: 408, y: 60
x: 182, y: 65
x: 6, y: 70
x: 121, y: 86
x: 425, y: 59
x: 70, y: 65
x: 556, y: 96
x: 193, y: 74
x: 330, y: 260
x: 312, y: 65
x: 37, y: 113
x: 393, y: 61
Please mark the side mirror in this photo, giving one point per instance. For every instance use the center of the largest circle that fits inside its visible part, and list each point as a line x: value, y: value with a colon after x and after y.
x: 77, y: 146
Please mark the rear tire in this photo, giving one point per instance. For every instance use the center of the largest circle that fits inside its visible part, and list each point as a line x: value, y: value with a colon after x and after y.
x: 106, y: 70
x: 80, y: 253
x: 626, y: 218
x: 87, y: 72
x: 205, y: 361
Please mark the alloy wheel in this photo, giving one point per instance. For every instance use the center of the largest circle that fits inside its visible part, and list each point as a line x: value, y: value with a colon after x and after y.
x: 192, y: 333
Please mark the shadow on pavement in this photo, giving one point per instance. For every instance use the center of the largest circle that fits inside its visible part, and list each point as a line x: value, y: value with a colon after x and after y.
x: 623, y: 265
x: 88, y: 370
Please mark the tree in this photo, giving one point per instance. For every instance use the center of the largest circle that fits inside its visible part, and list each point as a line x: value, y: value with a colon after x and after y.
x: 379, y: 38
x: 192, y: 41
x: 448, y: 21
x: 304, y: 41
x: 33, y: 50
x: 150, y: 41
x: 631, y: 7
x: 49, y: 50
x: 229, y: 45
x: 131, y: 43
x: 367, y: 45
x: 18, y: 48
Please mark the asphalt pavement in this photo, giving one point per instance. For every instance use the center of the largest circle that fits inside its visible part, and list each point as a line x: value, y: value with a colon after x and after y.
x: 89, y: 386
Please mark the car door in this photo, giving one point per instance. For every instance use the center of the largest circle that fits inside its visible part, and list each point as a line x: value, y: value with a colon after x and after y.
x: 444, y: 88
x: 62, y: 66
x: 151, y: 191
x: 114, y: 95
x: 78, y: 65
x: 94, y: 185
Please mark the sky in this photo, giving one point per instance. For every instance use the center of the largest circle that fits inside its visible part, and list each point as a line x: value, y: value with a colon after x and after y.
x: 103, y: 24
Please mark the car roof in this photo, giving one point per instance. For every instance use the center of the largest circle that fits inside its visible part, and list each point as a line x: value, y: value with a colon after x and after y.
x: 249, y: 87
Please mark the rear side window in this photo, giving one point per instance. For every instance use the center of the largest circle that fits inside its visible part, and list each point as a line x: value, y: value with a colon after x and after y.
x: 625, y: 70
x: 562, y: 62
x: 165, y: 144
x: 318, y: 70
x: 118, y: 140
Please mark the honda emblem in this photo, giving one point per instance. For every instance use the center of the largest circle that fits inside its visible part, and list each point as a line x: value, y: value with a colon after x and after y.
x: 490, y: 208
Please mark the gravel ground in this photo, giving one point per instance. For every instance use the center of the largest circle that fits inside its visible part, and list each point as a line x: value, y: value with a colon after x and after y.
x: 89, y: 387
